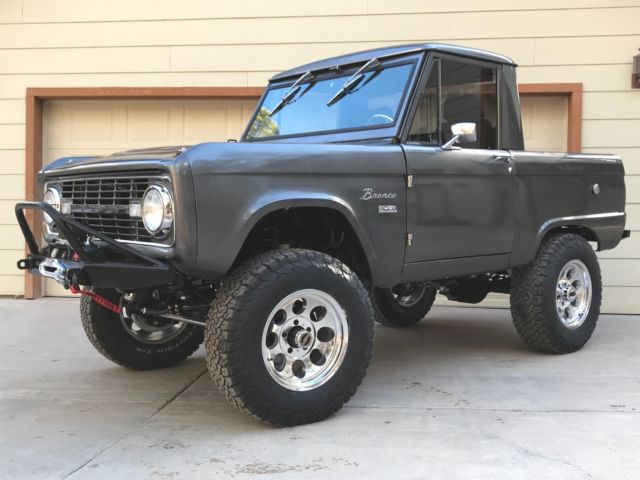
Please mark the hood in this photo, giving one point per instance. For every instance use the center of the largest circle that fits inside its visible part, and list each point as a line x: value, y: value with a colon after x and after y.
x: 127, y: 160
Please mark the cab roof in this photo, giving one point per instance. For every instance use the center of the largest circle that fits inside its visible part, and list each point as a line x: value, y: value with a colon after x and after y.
x: 363, y: 56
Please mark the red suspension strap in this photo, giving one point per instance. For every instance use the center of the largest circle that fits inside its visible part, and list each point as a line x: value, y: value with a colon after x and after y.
x: 99, y: 299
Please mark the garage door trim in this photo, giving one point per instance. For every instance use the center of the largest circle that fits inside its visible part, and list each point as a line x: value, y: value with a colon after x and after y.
x: 573, y: 92
x: 35, y: 98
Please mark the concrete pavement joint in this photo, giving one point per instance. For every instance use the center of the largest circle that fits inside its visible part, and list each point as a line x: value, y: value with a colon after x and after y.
x: 480, y: 409
x: 140, y: 424
x: 533, y: 453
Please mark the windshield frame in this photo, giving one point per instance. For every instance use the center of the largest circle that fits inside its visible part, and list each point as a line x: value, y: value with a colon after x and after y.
x: 345, y: 71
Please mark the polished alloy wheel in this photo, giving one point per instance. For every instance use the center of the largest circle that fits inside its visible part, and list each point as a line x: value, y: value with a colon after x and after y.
x: 573, y: 294
x: 304, y: 340
x: 408, y: 294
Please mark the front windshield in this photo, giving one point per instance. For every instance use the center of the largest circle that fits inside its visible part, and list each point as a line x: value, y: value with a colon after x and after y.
x: 373, y: 103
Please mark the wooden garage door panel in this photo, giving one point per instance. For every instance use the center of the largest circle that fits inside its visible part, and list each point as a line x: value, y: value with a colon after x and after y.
x: 91, y: 124
x: 149, y: 124
x: 96, y: 127
x: 209, y: 121
x: 545, y: 122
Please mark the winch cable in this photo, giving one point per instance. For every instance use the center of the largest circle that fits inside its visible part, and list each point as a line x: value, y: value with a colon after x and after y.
x: 99, y: 299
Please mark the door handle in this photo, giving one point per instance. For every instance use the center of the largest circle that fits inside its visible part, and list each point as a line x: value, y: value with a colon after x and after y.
x: 506, y: 159
x: 503, y: 158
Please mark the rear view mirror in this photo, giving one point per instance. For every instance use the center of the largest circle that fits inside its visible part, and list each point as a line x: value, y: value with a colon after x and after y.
x: 464, y: 132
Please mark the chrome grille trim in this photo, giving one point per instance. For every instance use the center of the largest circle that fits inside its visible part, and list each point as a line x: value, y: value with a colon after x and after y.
x: 102, y: 203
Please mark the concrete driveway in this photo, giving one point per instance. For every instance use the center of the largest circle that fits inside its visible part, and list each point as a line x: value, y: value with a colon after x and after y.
x: 458, y: 396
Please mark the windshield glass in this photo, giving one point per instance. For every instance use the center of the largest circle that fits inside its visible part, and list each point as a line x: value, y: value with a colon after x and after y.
x: 374, y: 102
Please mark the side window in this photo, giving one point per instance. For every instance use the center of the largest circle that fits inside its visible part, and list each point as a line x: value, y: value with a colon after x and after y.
x: 468, y: 93
x: 424, y: 128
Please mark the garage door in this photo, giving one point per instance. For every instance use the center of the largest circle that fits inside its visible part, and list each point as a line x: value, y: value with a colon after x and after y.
x: 545, y: 122
x: 93, y: 127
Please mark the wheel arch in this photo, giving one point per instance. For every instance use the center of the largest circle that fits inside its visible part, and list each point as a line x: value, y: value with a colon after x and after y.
x: 331, y: 208
x: 589, y: 234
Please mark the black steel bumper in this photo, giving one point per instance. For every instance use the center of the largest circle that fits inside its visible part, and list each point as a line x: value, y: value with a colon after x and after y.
x: 90, y: 258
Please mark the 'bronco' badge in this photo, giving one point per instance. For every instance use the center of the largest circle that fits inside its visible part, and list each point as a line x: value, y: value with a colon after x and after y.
x: 369, y: 194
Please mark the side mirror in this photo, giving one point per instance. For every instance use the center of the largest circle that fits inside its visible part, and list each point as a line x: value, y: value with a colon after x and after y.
x: 464, y: 132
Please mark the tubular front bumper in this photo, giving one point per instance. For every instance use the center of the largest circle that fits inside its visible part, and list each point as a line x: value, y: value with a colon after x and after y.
x: 91, y: 258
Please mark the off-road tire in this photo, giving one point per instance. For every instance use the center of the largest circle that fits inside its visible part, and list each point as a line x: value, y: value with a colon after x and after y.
x: 237, y: 318
x: 389, y: 312
x: 108, y: 335
x: 533, y: 296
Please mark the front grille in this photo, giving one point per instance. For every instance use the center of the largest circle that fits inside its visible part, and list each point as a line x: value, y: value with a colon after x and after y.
x: 102, y: 203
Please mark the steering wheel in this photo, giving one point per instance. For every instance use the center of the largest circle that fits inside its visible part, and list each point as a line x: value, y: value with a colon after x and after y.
x: 379, y: 119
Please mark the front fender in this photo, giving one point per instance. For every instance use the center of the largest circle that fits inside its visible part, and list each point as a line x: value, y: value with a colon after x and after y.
x: 216, y: 261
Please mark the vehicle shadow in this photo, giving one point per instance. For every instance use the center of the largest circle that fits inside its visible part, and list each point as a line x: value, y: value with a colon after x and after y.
x: 450, y: 341
x: 451, y: 333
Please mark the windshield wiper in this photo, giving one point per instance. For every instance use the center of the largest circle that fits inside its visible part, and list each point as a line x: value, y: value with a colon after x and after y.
x: 354, y: 80
x: 291, y: 92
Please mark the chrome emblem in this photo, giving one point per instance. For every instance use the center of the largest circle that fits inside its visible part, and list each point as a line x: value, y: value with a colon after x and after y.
x: 370, y: 194
x: 387, y: 209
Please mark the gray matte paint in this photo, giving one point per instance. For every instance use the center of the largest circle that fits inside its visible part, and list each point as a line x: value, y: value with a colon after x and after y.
x: 467, y: 212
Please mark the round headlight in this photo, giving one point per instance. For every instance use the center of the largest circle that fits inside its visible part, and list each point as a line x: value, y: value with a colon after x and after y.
x: 157, y: 209
x: 53, y: 198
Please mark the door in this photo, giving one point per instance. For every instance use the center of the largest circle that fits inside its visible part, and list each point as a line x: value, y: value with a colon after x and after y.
x: 461, y: 201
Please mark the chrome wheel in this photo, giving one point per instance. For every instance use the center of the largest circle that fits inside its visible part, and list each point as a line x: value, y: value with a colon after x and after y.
x: 409, y: 294
x: 304, y: 340
x: 573, y: 294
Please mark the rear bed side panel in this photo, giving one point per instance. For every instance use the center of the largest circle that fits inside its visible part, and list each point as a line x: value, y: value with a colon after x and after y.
x: 557, y: 189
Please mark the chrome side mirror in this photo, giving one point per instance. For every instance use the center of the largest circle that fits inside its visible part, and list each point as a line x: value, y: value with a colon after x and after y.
x: 464, y: 132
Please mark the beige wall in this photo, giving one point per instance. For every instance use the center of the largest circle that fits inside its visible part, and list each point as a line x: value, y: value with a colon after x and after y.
x: 241, y: 43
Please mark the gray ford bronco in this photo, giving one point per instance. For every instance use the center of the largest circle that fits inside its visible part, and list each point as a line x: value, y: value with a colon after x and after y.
x: 363, y: 186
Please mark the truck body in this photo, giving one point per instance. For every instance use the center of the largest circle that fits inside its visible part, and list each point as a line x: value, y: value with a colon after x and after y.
x: 407, y: 164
